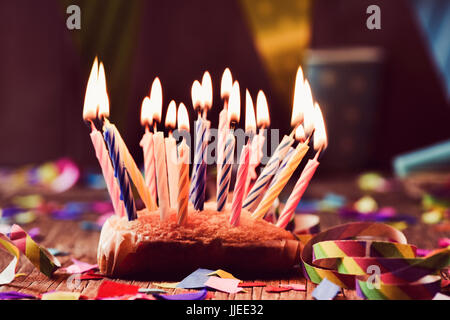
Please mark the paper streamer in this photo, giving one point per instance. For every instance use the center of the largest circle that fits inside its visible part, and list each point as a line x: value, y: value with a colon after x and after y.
x: 374, y: 259
x: 40, y: 257
x: 9, y: 273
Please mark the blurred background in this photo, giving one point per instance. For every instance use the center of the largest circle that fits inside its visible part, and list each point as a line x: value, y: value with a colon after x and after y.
x: 383, y: 91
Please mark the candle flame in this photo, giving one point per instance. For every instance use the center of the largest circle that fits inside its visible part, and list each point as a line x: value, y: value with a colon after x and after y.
x: 262, y: 110
x: 226, y: 84
x: 320, y: 132
x: 207, y: 90
x: 90, y: 107
x: 234, y: 105
x: 299, y: 96
x: 96, y: 101
x: 147, y: 112
x: 308, y: 110
x: 102, y: 93
x: 300, y: 133
x: 156, y: 99
x: 197, y: 95
x: 171, y: 115
x: 250, y: 121
x: 183, y: 118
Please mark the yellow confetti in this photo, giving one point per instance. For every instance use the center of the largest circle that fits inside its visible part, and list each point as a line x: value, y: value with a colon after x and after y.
x: 28, y: 202
x: 366, y: 204
x: 25, y: 217
x: 400, y: 225
x: 432, y: 217
x: 20, y: 275
x: 61, y: 295
x: 168, y: 285
x: 222, y: 274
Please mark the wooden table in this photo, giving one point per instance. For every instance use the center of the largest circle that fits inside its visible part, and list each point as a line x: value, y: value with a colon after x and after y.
x: 82, y: 245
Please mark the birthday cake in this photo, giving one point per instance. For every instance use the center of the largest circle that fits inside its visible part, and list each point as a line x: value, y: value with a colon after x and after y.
x: 149, y: 247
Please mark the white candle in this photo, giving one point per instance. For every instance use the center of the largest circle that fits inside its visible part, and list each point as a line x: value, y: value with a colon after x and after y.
x: 171, y: 155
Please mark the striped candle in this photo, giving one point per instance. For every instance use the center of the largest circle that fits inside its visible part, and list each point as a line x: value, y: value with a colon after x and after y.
x: 224, y: 174
x: 255, y: 158
x: 297, y: 193
x: 224, y: 126
x: 239, y: 187
x: 120, y: 173
x: 266, y: 175
x: 284, y: 176
x: 183, y: 183
x: 282, y: 165
x: 108, y: 172
x: 161, y: 175
x: 132, y: 168
x: 149, y: 162
x: 199, y: 169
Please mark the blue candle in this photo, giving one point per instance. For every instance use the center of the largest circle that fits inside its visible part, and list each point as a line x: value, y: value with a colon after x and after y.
x: 197, y: 195
x: 121, y: 173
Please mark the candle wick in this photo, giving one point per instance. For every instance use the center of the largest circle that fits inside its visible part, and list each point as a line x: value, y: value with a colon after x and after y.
x: 293, y: 131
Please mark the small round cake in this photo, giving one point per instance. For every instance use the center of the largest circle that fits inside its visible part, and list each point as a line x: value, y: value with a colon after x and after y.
x: 150, y: 248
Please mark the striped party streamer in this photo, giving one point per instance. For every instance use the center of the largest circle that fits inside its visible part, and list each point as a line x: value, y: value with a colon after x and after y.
x: 38, y: 256
x: 297, y: 193
x: 9, y: 273
x: 108, y: 172
x: 149, y: 162
x: 239, y: 187
x: 120, y: 173
x: 225, y: 173
x: 252, y: 199
x: 274, y: 190
x: 350, y: 254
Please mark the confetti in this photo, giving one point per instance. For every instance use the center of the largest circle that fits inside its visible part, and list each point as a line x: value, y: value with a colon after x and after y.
x: 34, y: 233
x: 80, y: 267
x: 68, y: 176
x: 28, y: 202
x: 9, y: 273
x: 57, y: 252
x: 91, y: 276
x: 90, y: 226
x: 61, y: 295
x: 199, y: 295
x: 326, y: 290
x: 432, y: 217
x: 294, y: 286
x: 195, y: 280
x: 222, y: 274
x: 110, y: 289
x: 275, y: 289
x: 372, y: 181
x: 14, y: 295
x: 224, y: 285
x: 151, y: 290
x: 251, y: 284
x: 167, y: 285
x: 440, y: 296
x: 366, y: 204
x: 444, y: 242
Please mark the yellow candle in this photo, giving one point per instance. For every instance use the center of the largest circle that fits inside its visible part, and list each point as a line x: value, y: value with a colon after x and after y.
x: 274, y: 190
x: 183, y: 162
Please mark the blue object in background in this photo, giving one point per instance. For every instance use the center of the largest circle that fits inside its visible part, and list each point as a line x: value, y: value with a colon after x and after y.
x: 431, y: 157
x: 434, y: 17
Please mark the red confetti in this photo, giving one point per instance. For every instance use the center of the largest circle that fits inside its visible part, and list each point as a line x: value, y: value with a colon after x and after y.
x: 445, y: 283
x: 91, y: 276
x: 251, y: 284
x: 110, y: 289
x: 273, y: 289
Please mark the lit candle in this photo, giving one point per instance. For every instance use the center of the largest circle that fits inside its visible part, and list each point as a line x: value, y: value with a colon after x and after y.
x: 183, y: 161
x: 148, y: 147
x: 224, y: 174
x: 263, y: 121
x: 130, y: 164
x: 241, y: 178
x: 285, y: 174
x: 202, y: 101
x: 171, y: 154
x: 259, y: 187
x: 224, y: 123
x: 320, y: 143
x: 160, y: 152
x: 90, y: 114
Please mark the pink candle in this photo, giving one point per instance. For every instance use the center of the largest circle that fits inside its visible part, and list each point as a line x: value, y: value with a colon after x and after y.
x: 108, y: 173
x: 149, y: 161
x: 297, y: 192
x: 239, y: 187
